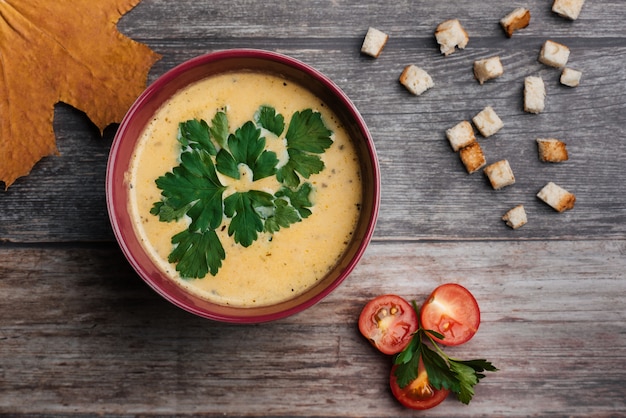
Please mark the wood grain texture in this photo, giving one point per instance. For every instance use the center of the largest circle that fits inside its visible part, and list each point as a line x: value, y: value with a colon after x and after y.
x: 80, y: 334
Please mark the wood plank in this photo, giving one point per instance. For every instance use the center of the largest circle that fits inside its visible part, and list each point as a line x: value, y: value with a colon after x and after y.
x: 86, y: 342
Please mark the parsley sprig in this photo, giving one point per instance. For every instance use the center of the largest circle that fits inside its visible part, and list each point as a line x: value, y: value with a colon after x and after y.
x: 458, y: 376
x: 193, y: 188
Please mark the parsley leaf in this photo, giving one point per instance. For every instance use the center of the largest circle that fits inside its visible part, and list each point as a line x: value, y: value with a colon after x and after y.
x: 192, y: 188
x: 197, y: 253
x: 299, y: 199
x: 306, y: 136
x: 247, y: 146
x: 194, y: 133
x: 246, y: 221
x: 270, y: 120
x: 284, y: 215
x: 219, y: 128
x: 458, y: 376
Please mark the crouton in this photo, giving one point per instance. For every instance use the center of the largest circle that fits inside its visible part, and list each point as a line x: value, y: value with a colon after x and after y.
x: 374, y: 42
x: 487, y: 122
x: 472, y: 157
x: 557, y: 197
x: 569, y: 9
x: 487, y: 69
x: 570, y: 77
x: 516, y: 217
x: 551, y: 150
x: 461, y: 135
x: 450, y: 35
x: 500, y: 174
x: 554, y: 54
x: 517, y: 19
x: 534, y: 94
x: 416, y: 80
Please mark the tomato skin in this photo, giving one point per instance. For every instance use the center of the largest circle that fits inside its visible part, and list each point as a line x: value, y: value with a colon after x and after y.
x: 452, y: 311
x: 388, y: 322
x: 418, y: 394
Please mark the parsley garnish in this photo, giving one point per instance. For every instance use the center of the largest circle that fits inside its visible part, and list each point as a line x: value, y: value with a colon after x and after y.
x: 458, y: 376
x: 193, y: 189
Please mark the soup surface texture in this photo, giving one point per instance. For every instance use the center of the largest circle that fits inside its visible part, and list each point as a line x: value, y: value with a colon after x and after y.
x: 276, y: 266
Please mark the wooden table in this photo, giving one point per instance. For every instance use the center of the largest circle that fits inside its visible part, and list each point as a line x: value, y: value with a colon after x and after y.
x: 80, y: 333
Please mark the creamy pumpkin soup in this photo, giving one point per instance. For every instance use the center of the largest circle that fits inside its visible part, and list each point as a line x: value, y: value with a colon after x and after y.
x: 245, y: 189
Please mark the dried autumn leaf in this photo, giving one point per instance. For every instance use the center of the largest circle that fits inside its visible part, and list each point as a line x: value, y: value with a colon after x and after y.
x: 62, y: 51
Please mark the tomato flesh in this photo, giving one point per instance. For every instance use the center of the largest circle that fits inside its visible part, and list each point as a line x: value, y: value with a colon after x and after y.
x: 419, y: 394
x: 388, y: 322
x: 451, y: 310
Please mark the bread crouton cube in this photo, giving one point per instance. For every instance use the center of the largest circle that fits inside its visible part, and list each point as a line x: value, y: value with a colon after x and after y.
x: 554, y: 54
x: 461, y: 135
x: 487, y: 69
x: 374, y: 42
x: 570, y: 77
x: 534, y: 94
x: 551, y: 150
x: 472, y: 157
x: 450, y: 35
x: 569, y: 9
x: 515, y: 217
x: 416, y: 80
x: 517, y: 19
x: 557, y: 197
x: 500, y: 174
x: 487, y: 122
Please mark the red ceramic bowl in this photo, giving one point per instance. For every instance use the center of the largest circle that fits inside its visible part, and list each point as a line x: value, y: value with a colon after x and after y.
x: 143, y: 110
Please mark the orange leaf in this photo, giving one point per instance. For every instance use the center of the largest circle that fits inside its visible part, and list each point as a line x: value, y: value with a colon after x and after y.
x: 62, y: 51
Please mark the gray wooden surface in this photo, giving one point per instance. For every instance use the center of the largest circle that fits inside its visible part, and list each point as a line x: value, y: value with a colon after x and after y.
x: 81, y: 334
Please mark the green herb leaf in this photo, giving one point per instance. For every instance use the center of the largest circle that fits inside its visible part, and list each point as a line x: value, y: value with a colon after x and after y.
x: 219, y: 128
x: 248, y: 147
x: 299, y: 198
x: 299, y: 162
x: 270, y: 120
x: 458, y: 376
x: 306, y: 136
x: 191, y: 188
x: 284, y: 215
x: 194, y: 133
x: 307, y: 132
x: 246, y: 221
x: 197, y: 253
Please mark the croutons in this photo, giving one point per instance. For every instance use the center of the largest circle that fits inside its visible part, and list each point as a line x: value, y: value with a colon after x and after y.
x: 451, y: 35
x: 487, y: 122
x: 569, y: 9
x: 515, y: 217
x: 517, y: 19
x: 557, y: 197
x: 534, y: 94
x: 551, y: 150
x: 472, y: 157
x: 374, y: 42
x: 487, y: 69
x: 416, y: 80
x: 554, y: 54
x: 570, y: 77
x: 500, y: 174
x: 461, y: 135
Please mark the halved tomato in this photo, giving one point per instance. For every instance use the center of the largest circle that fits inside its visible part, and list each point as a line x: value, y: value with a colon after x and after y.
x: 388, y: 322
x: 451, y: 310
x: 419, y: 394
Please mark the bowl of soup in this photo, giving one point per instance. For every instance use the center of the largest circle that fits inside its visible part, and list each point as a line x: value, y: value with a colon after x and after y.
x: 243, y: 186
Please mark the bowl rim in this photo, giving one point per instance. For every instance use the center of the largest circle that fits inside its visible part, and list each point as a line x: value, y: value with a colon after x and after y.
x: 112, y: 190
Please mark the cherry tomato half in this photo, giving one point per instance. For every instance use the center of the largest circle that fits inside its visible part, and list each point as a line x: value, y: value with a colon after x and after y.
x: 419, y: 394
x: 389, y: 322
x: 452, y: 311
